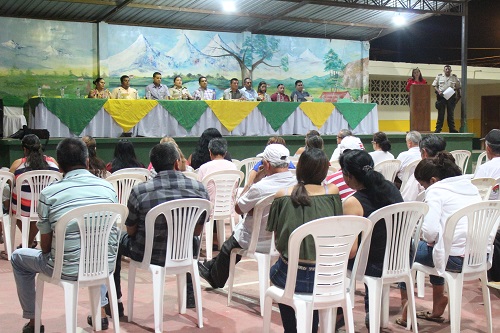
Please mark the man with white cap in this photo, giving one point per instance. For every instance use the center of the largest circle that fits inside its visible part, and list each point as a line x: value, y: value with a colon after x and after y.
x: 275, y: 160
x: 347, y: 143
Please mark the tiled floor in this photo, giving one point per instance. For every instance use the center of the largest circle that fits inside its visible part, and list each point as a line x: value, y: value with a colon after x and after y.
x: 242, y: 316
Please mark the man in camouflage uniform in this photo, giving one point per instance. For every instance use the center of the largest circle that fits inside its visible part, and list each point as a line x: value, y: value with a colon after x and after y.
x: 440, y: 84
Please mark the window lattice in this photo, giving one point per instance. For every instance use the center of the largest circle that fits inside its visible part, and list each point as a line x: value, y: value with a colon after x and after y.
x: 388, y: 92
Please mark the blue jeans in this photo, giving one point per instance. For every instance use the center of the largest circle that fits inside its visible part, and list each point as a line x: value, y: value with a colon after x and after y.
x: 424, y: 257
x: 25, y: 264
x: 304, y: 284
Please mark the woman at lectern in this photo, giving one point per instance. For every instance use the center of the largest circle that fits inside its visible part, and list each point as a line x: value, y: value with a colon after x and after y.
x: 416, y: 78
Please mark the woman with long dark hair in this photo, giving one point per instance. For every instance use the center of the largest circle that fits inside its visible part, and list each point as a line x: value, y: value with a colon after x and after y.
x: 33, y: 159
x: 201, y: 155
x: 373, y: 192
x: 293, y: 207
x: 124, y: 157
x: 96, y: 165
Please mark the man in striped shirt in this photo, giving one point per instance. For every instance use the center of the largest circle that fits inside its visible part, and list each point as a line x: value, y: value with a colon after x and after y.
x: 78, y: 188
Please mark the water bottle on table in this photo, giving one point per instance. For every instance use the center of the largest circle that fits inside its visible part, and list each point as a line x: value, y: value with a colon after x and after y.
x: 39, y: 92
x: 62, y: 92
x: 77, y: 92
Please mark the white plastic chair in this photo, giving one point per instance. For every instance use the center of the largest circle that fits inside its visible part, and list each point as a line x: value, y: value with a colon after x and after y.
x: 461, y: 159
x: 483, y: 220
x: 484, y: 185
x: 190, y: 174
x: 407, y: 172
x: 37, y: 180
x: 7, y: 179
x: 226, y: 184
x: 333, y: 239
x: 141, y: 171
x: 13, y: 120
x: 237, y: 163
x: 181, y: 217
x: 389, y: 169
x: 248, y: 163
x: 260, y: 214
x: 123, y: 184
x: 402, y: 221
x: 480, y: 160
x: 99, y: 235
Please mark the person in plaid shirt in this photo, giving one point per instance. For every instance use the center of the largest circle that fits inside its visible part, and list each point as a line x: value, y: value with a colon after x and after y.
x: 203, y: 93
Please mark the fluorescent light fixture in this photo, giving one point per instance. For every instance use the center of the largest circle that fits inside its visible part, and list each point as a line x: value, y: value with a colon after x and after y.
x: 228, y: 6
x: 399, y: 20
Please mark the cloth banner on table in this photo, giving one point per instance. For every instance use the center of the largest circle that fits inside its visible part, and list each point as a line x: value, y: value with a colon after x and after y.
x: 317, y: 112
x: 277, y: 113
x: 187, y: 114
x: 72, y: 112
x: 354, y: 113
x: 225, y: 112
x: 127, y: 113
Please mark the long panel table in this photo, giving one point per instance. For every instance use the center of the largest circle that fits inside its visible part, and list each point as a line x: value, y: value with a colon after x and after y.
x: 79, y: 117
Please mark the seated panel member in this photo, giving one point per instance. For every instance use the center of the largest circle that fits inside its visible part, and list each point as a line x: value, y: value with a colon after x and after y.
x: 203, y: 93
x: 299, y: 92
x: 124, y: 91
x: 177, y: 91
x: 279, y: 95
x: 247, y: 91
x: 233, y: 92
x: 156, y: 89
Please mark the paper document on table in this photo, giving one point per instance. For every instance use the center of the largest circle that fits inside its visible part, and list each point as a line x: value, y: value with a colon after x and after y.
x: 448, y: 92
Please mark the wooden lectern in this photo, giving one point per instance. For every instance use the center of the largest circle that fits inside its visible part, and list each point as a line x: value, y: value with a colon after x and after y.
x: 420, y: 108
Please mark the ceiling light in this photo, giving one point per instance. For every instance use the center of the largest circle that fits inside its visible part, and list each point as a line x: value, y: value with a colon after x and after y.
x: 228, y: 6
x: 399, y: 20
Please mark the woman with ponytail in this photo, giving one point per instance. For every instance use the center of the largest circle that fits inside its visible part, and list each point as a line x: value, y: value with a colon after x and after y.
x: 381, y: 148
x: 97, y: 167
x: 373, y: 192
x: 293, y: 207
x: 33, y: 159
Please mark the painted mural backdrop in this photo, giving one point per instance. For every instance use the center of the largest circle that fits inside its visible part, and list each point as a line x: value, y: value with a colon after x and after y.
x: 52, y: 54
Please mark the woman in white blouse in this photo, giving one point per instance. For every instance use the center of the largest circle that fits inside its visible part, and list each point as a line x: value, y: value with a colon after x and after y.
x: 381, y: 148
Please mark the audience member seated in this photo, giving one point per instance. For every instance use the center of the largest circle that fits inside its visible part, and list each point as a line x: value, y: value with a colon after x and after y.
x: 381, y: 148
x: 182, y: 162
x: 275, y: 166
x: 310, y: 133
x: 124, y: 157
x: 201, y: 155
x: 340, y: 136
x: 413, y: 139
x: 293, y: 207
x: 373, y: 192
x: 97, y: 167
x: 33, y: 159
x: 446, y: 191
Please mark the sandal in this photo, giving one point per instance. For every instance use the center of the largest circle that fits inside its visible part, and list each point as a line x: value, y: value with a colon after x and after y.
x: 401, y: 322
x: 427, y: 315
x: 4, y: 255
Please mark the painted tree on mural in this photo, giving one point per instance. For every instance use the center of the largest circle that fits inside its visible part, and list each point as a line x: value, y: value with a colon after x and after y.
x: 256, y: 50
x: 333, y: 65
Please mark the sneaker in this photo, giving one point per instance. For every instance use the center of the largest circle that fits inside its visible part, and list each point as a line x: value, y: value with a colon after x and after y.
x: 205, y: 274
x: 31, y: 329
x: 437, y: 131
x: 453, y: 131
x: 104, y: 322
x: 121, y: 312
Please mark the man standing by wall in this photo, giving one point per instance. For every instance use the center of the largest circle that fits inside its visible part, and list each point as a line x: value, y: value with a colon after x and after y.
x: 441, y: 83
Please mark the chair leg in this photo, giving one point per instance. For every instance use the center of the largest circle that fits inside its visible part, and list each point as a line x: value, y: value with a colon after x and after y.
x: 348, y: 315
x: 9, y: 231
x: 38, y: 304
x: 131, y: 291
x: 209, y: 234
x: 487, y: 301
x: 412, y: 312
x: 25, y: 223
x: 420, y: 284
x: 230, y: 279
x: 304, y: 317
x: 221, y: 233
x: 113, y: 302
x: 158, y: 290
x: 384, y: 313
x: 375, y: 296
x: 70, y: 303
x: 268, y: 308
x: 263, y: 266
x: 181, y: 292
x: 195, y: 278
x: 326, y: 319
x: 455, y: 285
x: 95, y: 306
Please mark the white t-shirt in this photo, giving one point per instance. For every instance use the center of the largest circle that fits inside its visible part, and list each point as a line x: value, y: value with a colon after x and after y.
x: 407, y: 157
x: 267, y: 186
x: 490, y: 169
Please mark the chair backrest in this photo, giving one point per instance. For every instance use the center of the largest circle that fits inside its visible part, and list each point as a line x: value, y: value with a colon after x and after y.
x: 181, y: 217
x: 140, y: 171
x: 249, y: 163
x: 480, y: 160
x: 226, y: 184
x: 333, y: 239
x: 461, y: 159
x: 6, y: 177
x: 402, y: 221
x: 407, y: 172
x: 237, y: 163
x: 388, y: 169
x: 37, y: 180
x: 484, y: 186
x: 420, y: 197
x: 123, y: 184
x: 260, y: 214
x: 190, y: 174
x: 99, y: 234
x: 483, y: 219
